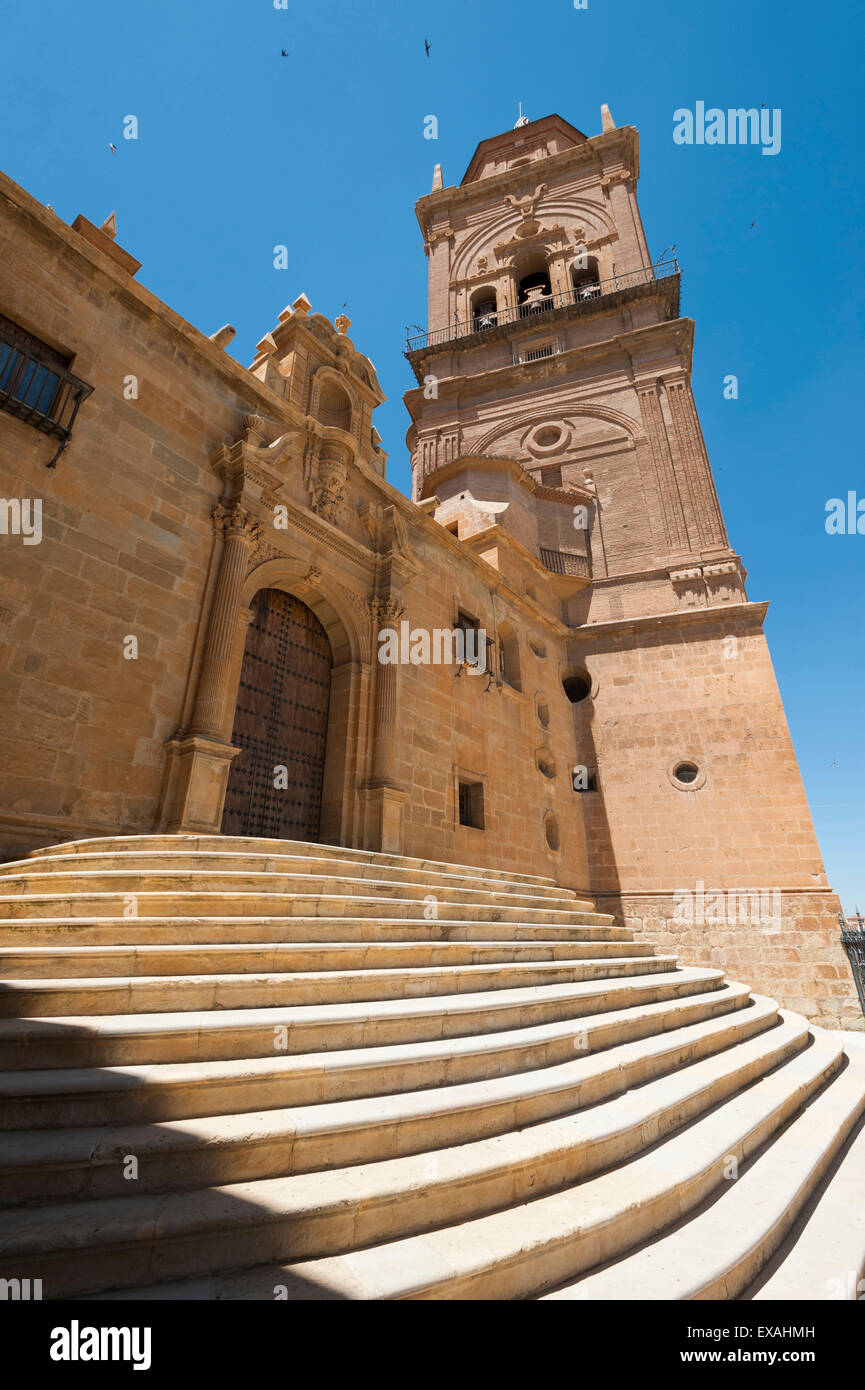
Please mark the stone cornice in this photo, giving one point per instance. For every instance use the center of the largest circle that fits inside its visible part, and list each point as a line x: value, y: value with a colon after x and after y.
x: 629, y: 343
x: 134, y: 296
x: 682, y: 617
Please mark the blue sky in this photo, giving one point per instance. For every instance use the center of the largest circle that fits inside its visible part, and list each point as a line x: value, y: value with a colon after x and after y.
x: 241, y: 149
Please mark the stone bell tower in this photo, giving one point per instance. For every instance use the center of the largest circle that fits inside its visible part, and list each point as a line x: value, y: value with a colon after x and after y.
x: 555, y: 343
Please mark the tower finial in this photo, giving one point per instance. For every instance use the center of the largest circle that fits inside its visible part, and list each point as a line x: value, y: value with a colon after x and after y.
x: 607, y: 122
x: 521, y: 119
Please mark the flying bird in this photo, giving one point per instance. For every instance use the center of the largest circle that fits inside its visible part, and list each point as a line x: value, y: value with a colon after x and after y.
x: 753, y: 224
x: 111, y: 147
x: 426, y: 46
x: 284, y: 54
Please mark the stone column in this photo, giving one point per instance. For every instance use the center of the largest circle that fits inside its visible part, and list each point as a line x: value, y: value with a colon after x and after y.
x: 385, y: 798
x: 199, y: 758
x: 211, y: 717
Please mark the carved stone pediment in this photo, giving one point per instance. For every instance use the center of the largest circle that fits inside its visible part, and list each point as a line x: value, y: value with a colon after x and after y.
x: 525, y: 235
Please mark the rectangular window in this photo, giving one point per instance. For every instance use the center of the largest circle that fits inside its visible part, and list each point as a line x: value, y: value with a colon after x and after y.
x: 35, y: 382
x: 471, y: 804
x: 476, y: 650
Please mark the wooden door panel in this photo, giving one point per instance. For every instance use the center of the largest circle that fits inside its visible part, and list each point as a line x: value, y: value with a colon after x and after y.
x: 280, y: 721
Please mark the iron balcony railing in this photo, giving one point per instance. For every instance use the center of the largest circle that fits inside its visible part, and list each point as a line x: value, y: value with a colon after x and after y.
x: 854, y: 944
x: 47, y: 397
x: 488, y: 318
x: 566, y: 562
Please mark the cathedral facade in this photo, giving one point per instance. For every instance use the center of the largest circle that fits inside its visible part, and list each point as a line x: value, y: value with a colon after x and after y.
x: 545, y: 661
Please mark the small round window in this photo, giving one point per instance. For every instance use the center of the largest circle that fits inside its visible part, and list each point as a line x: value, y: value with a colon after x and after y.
x: 577, y: 687
x: 686, y: 774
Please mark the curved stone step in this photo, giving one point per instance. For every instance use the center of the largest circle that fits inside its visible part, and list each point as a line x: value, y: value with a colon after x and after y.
x: 508, y: 1253
x: 164, y: 1091
x: 825, y: 1258
x: 246, y: 844
x: 115, y: 1040
x: 219, y: 1149
x: 274, y: 904
x: 304, y: 868
x: 205, y: 931
x: 180, y: 882
x: 717, y: 1253
x: 90, y: 962
x: 165, y: 993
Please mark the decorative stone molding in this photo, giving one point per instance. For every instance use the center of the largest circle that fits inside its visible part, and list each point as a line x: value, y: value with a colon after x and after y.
x: 709, y: 585
x: 254, y: 426
x: 525, y: 206
x: 235, y: 519
x: 262, y: 550
x: 328, y: 489
x: 724, y: 582
x: 689, y: 588
x: 387, y: 611
x: 618, y: 176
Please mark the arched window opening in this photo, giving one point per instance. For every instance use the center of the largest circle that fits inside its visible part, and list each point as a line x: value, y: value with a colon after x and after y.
x: 586, y: 279
x: 484, y: 308
x: 534, y: 288
x: 334, y: 407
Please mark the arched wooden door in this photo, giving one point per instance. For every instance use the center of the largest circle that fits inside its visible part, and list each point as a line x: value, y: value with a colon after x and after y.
x: 280, y: 725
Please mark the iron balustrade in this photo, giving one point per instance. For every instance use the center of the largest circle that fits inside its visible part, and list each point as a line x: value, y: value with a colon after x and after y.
x: 42, y: 393
x: 854, y: 944
x: 565, y: 562
x: 487, y: 318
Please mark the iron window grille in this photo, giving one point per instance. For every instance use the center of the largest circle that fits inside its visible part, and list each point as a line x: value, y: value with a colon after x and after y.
x: 37, y: 386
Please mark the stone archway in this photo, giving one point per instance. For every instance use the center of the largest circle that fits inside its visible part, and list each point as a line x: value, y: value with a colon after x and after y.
x: 276, y: 781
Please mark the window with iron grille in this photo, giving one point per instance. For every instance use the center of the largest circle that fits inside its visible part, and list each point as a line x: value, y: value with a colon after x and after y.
x: 476, y: 654
x: 471, y: 804
x: 533, y: 354
x: 36, y: 384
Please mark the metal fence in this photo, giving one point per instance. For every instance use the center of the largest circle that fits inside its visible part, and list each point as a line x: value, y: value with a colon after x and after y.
x: 490, y: 317
x: 853, y: 941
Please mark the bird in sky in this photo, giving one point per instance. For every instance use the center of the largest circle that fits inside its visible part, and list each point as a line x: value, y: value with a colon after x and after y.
x: 753, y: 224
x: 111, y: 147
x: 284, y: 53
x: 426, y: 46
